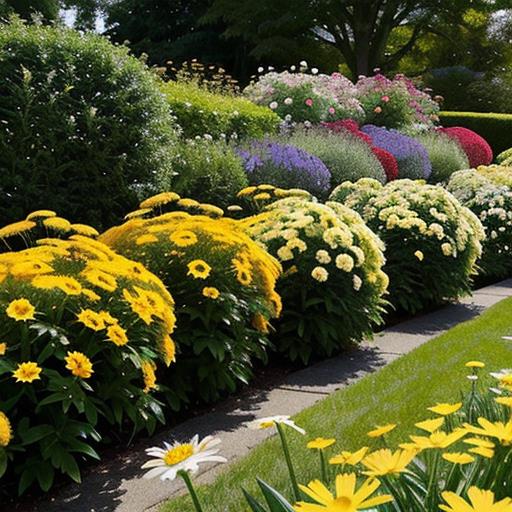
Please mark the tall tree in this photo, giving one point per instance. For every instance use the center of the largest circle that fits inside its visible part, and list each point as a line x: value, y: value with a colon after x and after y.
x: 359, y: 29
x: 47, y: 10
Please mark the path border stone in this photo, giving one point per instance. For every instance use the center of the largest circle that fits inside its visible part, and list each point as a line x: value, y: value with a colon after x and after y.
x: 116, y: 485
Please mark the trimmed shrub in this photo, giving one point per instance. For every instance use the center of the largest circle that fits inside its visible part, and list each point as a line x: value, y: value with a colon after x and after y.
x: 346, y: 156
x: 82, y: 332
x: 498, y: 174
x: 444, y: 153
x: 396, y: 103
x: 388, y: 162
x: 286, y: 166
x: 332, y: 284
x: 432, y: 241
x: 301, y: 97
x: 223, y: 285
x: 411, y: 156
x: 83, y: 123
x: 201, y: 112
x: 494, y: 128
x: 206, y: 170
x: 475, y: 147
x: 504, y: 156
x: 492, y: 204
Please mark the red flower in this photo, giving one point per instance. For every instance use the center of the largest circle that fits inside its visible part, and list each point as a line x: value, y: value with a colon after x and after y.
x: 309, y: 102
x: 385, y: 99
x: 388, y: 161
x: 476, y: 148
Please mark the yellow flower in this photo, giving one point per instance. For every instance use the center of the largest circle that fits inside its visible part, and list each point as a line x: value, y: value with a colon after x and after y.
x: 20, y: 310
x: 67, y: 284
x: 475, y: 364
x: 199, y: 269
x: 445, y: 409
x: 100, y: 279
x: 344, y: 262
x: 16, y: 228
x: 3, y: 348
x: 481, y: 501
x: 386, y: 462
x: 138, y: 213
x: 183, y: 238
x: 499, y: 430
x: 458, y: 458
x: 57, y: 223
x: 419, y: 255
x: 323, y: 257
x: 320, y: 443
x: 380, y: 431
x: 438, y: 439
x: 211, y: 292
x: 168, y: 350
x: 84, y: 229
x: 262, y: 196
x: 140, y: 305
x: 79, y: 365
x: 430, y: 425
x: 5, y: 430
x: 347, y: 498
x: 506, y: 382
x: 147, y: 238
x: 30, y: 268
x: 41, y: 214
x: 260, y: 323
x: 90, y: 294
x: 483, y: 452
x: 27, y: 372
x: 91, y: 319
x: 284, y: 253
x: 244, y: 276
x: 483, y: 447
x: 320, y: 274
x: 117, y: 335
x: 148, y: 372
x: 108, y: 318
x: 246, y: 191
x: 502, y: 400
x: 159, y: 200
x: 350, y: 458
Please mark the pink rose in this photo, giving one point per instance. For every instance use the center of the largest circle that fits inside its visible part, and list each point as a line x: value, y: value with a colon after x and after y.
x: 377, y: 110
x: 309, y: 102
x: 385, y: 99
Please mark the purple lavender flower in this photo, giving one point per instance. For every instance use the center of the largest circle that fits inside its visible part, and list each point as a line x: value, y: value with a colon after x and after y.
x: 411, y: 155
x: 285, y: 166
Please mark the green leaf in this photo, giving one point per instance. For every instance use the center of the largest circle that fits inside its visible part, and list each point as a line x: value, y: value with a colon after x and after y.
x: 3, y: 462
x: 255, y: 506
x: 275, y: 501
x: 45, y: 476
x: 36, y: 433
x: 70, y: 467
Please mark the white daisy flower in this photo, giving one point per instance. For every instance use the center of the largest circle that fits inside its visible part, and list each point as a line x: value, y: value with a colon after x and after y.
x: 270, y: 421
x: 172, y: 458
x: 502, y: 373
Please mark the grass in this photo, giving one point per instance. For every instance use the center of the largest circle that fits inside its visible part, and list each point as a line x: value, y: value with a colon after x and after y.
x: 398, y: 393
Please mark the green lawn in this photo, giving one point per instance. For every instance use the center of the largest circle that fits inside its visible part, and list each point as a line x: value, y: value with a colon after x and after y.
x: 399, y: 393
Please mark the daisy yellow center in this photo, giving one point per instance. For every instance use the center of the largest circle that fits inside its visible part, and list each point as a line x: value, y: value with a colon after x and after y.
x: 342, y: 504
x: 178, y: 454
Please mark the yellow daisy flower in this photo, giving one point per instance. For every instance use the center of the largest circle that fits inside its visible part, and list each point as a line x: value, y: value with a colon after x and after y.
x: 79, y: 365
x: 91, y: 319
x: 386, y: 462
x: 148, y: 372
x: 350, y: 458
x: 3, y: 348
x: 5, y: 430
x: 475, y: 364
x: 100, y: 279
x: 16, y: 228
x: 27, y: 372
x: 211, y: 292
x: 481, y: 501
x: 20, y: 310
x: 168, y: 350
x: 199, y: 269
x: 445, y: 409
x: 117, y: 335
x: 320, y: 443
x: 458, y: 458
x: 183, y: 238
x: 41, y: 214
x: 430, y: 425
x: 381, y: 431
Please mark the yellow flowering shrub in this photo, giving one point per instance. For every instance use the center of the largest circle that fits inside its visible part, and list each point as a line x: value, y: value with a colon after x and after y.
x: 432, y: 241
x: 223, y: 284
x: 332, y: 284
x: 80, y: 326
x: 491, y: 202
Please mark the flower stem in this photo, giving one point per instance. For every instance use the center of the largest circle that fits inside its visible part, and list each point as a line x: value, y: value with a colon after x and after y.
x: 323, y: 466
x: 191, y: 490
x: 288, y: 460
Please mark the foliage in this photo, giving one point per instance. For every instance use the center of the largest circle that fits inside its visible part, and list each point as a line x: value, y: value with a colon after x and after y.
x: 491, y: 94
x: 476, y: 147
x: 432, y: 241
x: 223, y: 285
x: 82, y: 330
x: 209, y: 171
x: 44, y: 10
x: 425, y: 473
x: 301, y: 96
x: 396, y: 103
x: 201, y: 112
x: 494, y: 128
x: 411, y: 156
x: 444, y: 153
x: 492, y: 204
x: 504, y: 156
x: 332, y: 284
x: 286, y: 166
x: 78, y: 114
x: 346, y: 157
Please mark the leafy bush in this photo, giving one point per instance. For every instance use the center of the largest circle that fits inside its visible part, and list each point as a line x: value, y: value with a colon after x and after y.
x: 497, y: 174
x: 301, y: 96
x: 286, y: 166
x: 492, y: 204
x: 476, y: 148
x: 396, y: 103
x: 504, y: 156
x: 223, y: 285
x: 332, y: 284
x: 82, y: 124
x: 205, y: 170
x: 494, y: 128
x: 411, y: 155
x: 492, y: 93
x: 432, y: 241
x: 201, y: 112
x: 82, y: 331
x: 346, y: 156
x: 444, y: 153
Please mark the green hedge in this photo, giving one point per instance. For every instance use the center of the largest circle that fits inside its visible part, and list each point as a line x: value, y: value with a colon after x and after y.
x: 494, y: 128
x: 201, y: 112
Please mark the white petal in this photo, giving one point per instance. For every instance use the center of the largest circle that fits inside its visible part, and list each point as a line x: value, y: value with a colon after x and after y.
x: 152, y: 473
x: 295, y: 427
x: 170, y: 474
x: 153, y: 463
